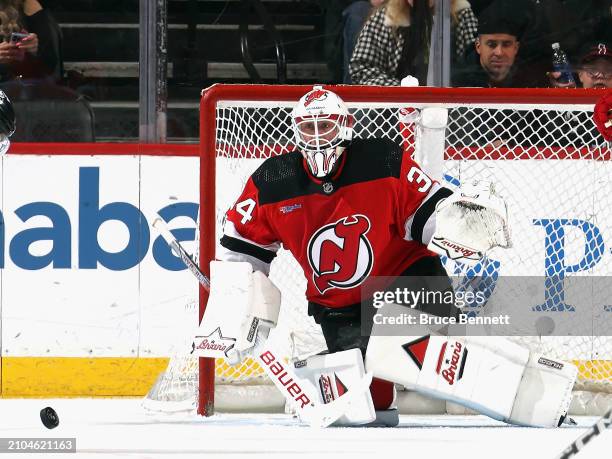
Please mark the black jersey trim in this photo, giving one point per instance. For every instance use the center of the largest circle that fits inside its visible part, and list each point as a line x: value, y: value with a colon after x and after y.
x: 284, y: 177
x: 240, y: 246
x: 424, y: 212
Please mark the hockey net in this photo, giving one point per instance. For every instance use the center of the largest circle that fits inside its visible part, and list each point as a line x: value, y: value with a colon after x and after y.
x: 539, y: 147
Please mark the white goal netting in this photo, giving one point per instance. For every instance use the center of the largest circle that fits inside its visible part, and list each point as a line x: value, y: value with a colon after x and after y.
x: 546, y: 159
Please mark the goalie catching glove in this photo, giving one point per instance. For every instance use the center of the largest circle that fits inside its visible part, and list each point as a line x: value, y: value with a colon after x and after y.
x: 242, y: 308
x: 470, y: 222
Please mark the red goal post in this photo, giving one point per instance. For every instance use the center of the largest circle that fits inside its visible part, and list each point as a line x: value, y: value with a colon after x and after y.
x: 239, y: 123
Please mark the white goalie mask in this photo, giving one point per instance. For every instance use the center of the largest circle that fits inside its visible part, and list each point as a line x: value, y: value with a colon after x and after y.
x: 323, y: 128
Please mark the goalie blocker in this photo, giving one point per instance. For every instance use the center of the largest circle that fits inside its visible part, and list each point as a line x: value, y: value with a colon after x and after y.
x: 242, y: 308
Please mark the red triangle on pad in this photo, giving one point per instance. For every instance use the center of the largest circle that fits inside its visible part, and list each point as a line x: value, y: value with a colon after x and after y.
x: 416, y: 350
x: 340, y: 387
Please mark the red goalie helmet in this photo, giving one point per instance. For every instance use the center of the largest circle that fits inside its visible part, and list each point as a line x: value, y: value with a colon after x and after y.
x: 323, y: 128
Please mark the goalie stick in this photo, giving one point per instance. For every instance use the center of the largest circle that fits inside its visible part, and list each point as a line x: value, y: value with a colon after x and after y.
x: 160, y: 225
x: 316, y: 414
x: 602, y: 424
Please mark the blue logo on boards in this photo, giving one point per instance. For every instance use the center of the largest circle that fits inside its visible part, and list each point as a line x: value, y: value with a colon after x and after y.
x: 484, y: 275
x: 90, y: 217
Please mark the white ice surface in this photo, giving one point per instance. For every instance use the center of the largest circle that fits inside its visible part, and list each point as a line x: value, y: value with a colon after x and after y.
x: 120, y: 428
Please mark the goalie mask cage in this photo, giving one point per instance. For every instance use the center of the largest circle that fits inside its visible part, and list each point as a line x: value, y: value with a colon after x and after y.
x: 539, y: 146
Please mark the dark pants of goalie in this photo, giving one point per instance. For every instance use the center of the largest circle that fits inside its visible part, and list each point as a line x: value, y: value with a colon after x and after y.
x: 348, y: 327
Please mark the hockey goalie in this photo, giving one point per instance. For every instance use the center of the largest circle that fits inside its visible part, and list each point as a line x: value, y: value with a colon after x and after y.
x: 350, y: 209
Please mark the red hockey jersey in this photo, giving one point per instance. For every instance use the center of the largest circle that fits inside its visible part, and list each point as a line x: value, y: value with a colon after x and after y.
x: 372, y: 218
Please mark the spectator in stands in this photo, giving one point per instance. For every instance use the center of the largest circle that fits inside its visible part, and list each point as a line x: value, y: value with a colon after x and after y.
x: 494, y: 60
x: 354, y: 16
x: 594, y: 69
x: 343, y: 22
x: 37, y: 56
x: 571, y: 23
x: 576, y: 128
x: 464, y: 29
x: 394, y: 44
x: 496, y: 48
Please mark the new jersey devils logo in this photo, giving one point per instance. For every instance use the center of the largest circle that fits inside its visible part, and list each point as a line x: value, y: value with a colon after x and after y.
x: 317, y: 94
x: 340, y: 254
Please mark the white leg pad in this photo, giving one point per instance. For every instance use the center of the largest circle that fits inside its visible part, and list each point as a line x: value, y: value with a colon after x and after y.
x: 546, y: 384
x: 491, y: 375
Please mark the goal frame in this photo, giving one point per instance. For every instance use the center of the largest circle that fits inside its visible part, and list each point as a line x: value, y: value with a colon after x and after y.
x: 373, y: 94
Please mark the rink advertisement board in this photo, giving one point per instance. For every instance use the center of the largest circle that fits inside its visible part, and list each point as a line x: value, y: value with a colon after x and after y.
x: 93, y: 301
x: 92, y: 298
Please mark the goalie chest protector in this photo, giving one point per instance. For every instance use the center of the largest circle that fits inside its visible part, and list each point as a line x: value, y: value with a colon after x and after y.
x: 366, y: 220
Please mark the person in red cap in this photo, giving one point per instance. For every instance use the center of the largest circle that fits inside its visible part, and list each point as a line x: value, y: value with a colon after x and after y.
x: 596, y: 67
x: 594, y: 70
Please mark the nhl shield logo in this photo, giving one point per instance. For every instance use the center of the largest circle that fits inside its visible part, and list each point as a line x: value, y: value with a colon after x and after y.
x: 328, y: 187
x: 340, y: 254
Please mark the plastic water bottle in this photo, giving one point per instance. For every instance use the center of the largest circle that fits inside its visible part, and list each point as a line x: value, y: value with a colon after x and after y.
x: 561, y: 64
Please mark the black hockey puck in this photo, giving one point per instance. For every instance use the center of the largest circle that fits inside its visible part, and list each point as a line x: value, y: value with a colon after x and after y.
x: 49, y: 417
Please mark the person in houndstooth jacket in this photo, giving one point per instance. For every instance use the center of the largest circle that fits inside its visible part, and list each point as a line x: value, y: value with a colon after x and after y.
x: 465, y: 28
x: 394, y: 42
